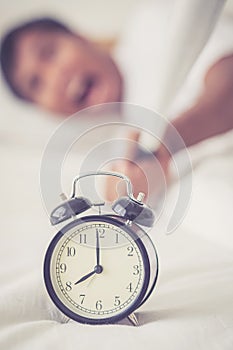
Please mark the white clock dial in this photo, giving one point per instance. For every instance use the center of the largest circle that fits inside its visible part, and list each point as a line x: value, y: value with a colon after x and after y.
x: 103, y: 292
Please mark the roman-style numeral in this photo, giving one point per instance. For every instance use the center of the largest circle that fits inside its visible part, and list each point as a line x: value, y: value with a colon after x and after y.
x: 129, y: 287
x: 101, y: 232
x: 136, y: 270
x: 82, y: 297
x: 117, y: 300
x: 99, y: 305
x: 68, y: 286
x: 130, y: 250
x: 82, y: 238
x: 62, y: 268
x: 71, y: 251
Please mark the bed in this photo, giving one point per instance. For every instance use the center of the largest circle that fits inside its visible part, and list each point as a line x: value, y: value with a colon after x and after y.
x: 192, y: 305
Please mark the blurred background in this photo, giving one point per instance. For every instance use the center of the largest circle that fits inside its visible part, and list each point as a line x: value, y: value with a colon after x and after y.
x: 139, y: 28
x: 136, y: 29
x: 99, y: 19
x: 25, y: 130
x: 102, y: 20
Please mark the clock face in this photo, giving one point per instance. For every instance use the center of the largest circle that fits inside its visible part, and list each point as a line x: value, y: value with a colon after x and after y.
x: 96, y: 271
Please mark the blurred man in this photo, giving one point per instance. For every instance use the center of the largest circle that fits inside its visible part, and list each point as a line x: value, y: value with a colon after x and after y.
x: 44, y: 62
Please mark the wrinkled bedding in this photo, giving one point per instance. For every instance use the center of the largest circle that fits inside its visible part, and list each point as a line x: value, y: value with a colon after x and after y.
x: 191, y: 306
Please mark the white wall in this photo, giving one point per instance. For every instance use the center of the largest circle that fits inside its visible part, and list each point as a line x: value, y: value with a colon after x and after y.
x: 98, y: 18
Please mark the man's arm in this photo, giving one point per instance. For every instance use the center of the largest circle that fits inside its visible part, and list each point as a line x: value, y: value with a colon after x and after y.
x: 213, y: 112
x: 211, y: 115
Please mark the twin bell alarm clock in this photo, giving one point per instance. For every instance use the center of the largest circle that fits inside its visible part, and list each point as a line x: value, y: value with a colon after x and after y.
x: 99, y: 269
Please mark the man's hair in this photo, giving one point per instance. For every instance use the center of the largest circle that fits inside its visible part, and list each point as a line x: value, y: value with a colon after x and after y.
x: 8, y: 45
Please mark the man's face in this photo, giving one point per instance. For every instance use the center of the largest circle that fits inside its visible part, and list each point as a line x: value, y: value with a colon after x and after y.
x: 63, y: 72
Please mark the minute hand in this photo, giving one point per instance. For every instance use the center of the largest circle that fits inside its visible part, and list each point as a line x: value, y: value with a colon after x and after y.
x: 86, y: 277
x: 97, y: 248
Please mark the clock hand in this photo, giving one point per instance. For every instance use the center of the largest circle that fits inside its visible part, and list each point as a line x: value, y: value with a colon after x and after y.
x: 97, y: 248
x: 86, y: 276
x: 91, y: 280
x: 98, y: 269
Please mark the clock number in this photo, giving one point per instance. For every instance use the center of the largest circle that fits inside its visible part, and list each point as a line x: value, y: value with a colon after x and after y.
x: 71, y: 251
x: 117, y: 301
x: 82, y: 296
x: 129, y: 287
x: 68, y: 286
x: 101, y: 232
x: 136, y: 270
x: 130, y: 250
x: 82, y: 238
x: 117, y: 237
x: 99, y: 305
x: 62, y: 268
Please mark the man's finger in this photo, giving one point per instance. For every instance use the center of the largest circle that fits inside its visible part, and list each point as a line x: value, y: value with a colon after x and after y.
x: 131, y: 151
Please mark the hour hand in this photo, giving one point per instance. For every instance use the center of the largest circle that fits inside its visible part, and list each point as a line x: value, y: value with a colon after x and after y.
x: 86, y: 276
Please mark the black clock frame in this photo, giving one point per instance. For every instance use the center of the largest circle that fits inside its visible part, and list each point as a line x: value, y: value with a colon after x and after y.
x: 117, y: 221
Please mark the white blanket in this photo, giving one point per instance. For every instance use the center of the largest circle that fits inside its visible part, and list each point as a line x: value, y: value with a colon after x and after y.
x: 191, y: 307
x: 192, y: 303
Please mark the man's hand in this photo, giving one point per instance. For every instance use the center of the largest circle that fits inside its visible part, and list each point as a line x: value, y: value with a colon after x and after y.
x: 211, y: 115
x: 148, y: 175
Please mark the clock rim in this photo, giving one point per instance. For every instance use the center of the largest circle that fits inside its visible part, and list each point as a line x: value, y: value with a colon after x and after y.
x: 48, y: 281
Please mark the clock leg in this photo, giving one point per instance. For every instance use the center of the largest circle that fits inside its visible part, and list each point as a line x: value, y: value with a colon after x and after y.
x: 133, y: 319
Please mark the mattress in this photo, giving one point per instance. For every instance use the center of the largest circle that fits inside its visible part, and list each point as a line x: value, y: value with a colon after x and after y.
x: 191, y: 306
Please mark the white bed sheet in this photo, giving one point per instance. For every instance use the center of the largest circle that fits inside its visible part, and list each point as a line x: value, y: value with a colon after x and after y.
x: 190, y: 308
x: 192, y: 305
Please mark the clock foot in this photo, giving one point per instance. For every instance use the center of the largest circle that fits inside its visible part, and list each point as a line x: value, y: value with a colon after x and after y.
x: 133, y: 319
x: 65, y: 319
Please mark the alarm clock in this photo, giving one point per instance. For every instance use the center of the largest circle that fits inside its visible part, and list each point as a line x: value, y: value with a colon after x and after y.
x: 99, y: 269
